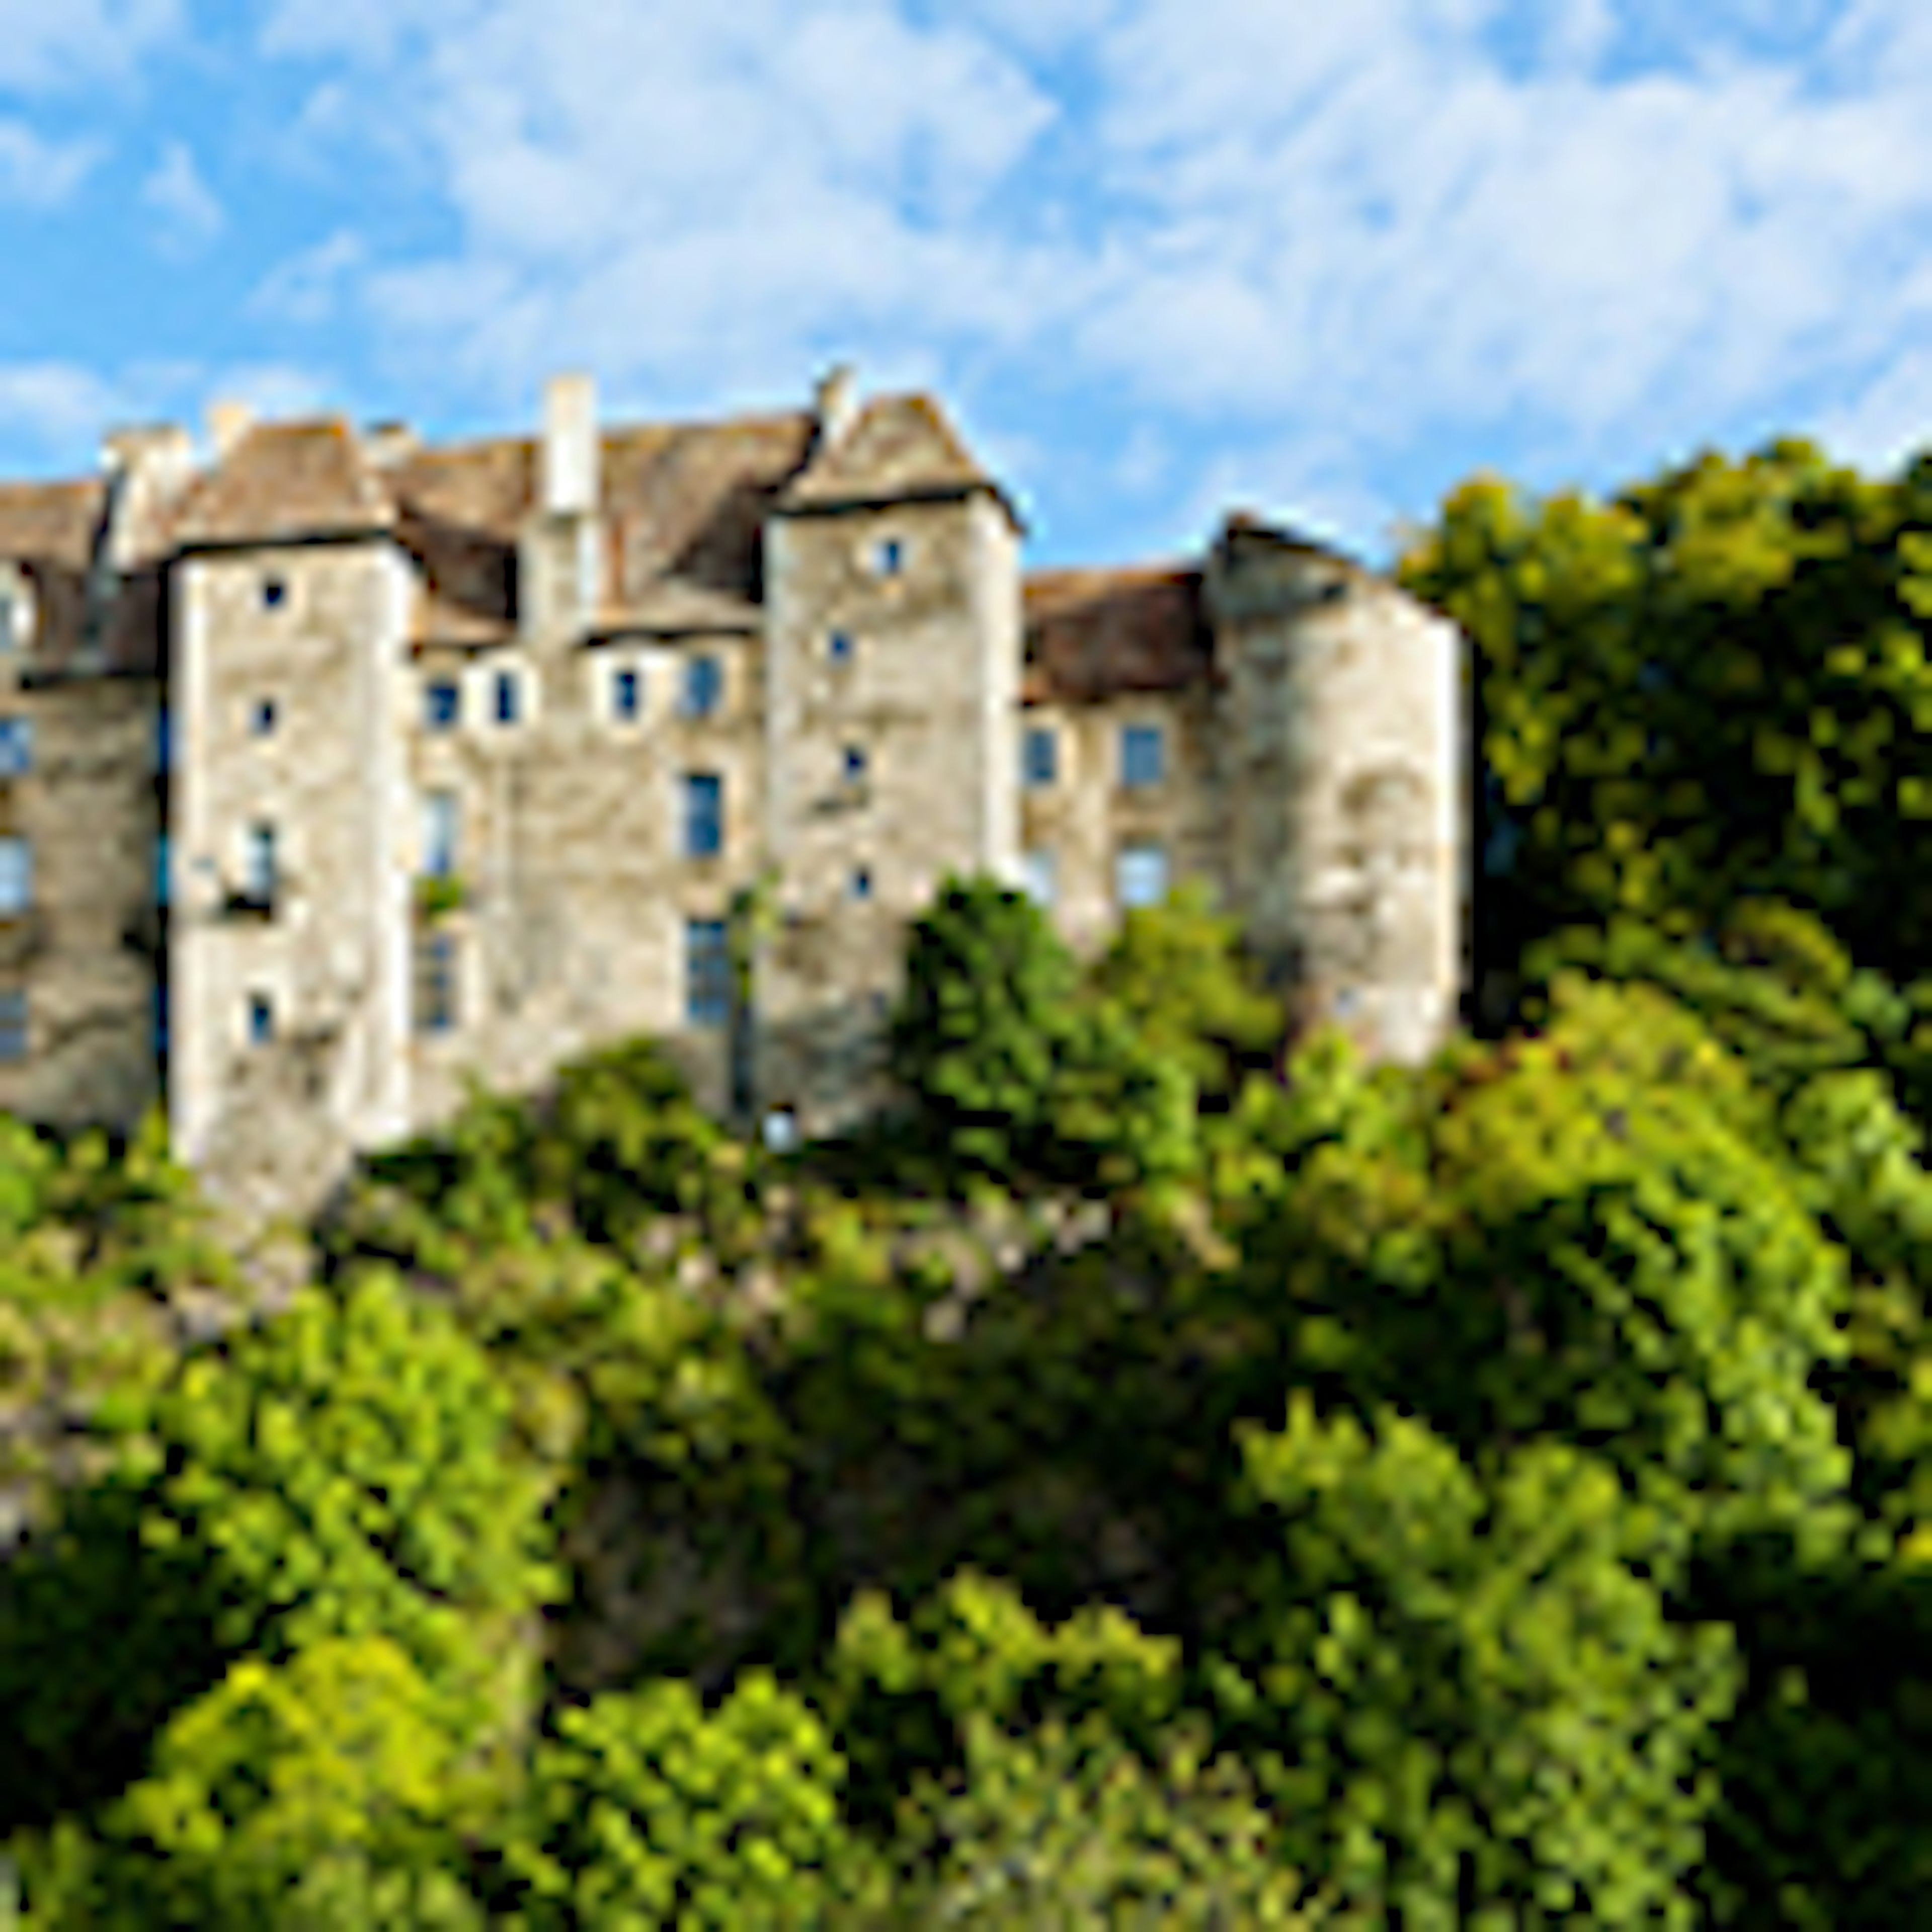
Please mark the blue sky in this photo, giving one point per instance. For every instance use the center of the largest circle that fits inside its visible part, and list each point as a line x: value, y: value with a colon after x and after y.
x: 1162, y: 257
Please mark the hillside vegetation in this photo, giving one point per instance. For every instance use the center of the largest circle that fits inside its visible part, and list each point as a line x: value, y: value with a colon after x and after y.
x: 1158, y: 1475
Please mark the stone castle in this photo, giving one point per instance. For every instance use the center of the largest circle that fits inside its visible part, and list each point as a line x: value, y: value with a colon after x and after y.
x: 333, y: 765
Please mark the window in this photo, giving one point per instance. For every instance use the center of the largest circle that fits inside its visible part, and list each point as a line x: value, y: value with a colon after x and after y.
x: 14, y: 1023
x: 1042, y: 757
x: 624, y: 694
x: 435, y: 983
x: 10, y: 620
x: 707, y: 973
x: 164, y: 742
x: 704, y: 685
x: 1140, y: 876
x: 160, y: 869
x: 274, y: 590
x: 889, y: 556
x: 781, y: 1130
x: 855, y: 764
x: 443, y: 704
x: 439, y: 834
x: 1039, y: 877
x: 264, y: 721
x: 259, y: 863
x: 1141, y: 754
x: 506, y: 697
x: 160, y: 1011
x: 862, y: 883
x: 838, y: 648
x: 16, y: 877
x: 16, y: 746
x: 261, y: 1020
x: 704, y: 814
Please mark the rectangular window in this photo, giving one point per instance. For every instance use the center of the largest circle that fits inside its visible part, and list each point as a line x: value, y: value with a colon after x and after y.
x: 1039, y: 878
x: 707, y: 973
x: 435, y: 983
x: 704, y: 814
x: 16, y: 877
x: 855, y: 764
x: 16, y: 746
x: 1142, y: 754
x: 439, y: 834
x: 1140, y: 876
x: 442, y: 704
x: 624, y: 695
x: 506, y: 697
x: 161, y: 1017
x: 258, y: 876
x: 261, y: 1020
x: 1042, y: 757
x: 164, y: 742
x: 160, y: 869
x: 703, y: 686
x: 14, y: 1023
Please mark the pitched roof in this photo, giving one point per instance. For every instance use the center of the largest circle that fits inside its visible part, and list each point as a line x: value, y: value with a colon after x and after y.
x: 1093, y: 634
x: 286, y: 481
x: 899, y: 446
x: 684, y: 505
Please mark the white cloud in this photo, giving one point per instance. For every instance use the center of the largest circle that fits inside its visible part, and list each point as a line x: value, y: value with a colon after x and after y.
x: 58, y: 406
x: 187, y: 216
x: 306, y: 287
x: 70, y: 44
x: 36, y: 172
x: 1311, y: 235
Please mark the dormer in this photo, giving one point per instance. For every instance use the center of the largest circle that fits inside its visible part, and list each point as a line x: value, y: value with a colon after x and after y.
x: 560, y: 550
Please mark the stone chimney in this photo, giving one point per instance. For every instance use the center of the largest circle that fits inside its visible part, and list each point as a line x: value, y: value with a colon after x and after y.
x: 835, y: 404
x: 228, y: 422
x: 148, y: 465
x: 386, y: 444
x: 570, y: 479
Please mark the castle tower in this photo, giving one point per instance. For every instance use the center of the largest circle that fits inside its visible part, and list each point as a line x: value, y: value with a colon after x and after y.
x: 1344, y: 756
x: 893, y: 652
x: 288, y: 945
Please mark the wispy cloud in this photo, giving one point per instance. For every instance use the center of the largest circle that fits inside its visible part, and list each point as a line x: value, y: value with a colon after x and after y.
x: 187, y: 215
x: 1324, y: 233
x: 53, y: 44
x: 36, y: 172
x: 307, y: 288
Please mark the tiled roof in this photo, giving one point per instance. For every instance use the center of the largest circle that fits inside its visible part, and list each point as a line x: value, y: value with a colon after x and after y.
x: 900, y: 446
x: 284, y: 481
x: 49, y: 529
x: 1092, y: 634
x: 684, y: 504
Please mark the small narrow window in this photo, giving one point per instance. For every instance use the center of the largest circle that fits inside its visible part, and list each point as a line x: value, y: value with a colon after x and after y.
x: 703, y: 686
x: 13, y: 1023
x: 1042, y: 761
x: 264, y: 716
x: 707, y: 973
x: 439, y: 834
x: 442, y: 704
x: 16, y: 746
x: 1140, y: 876
x: 506, y: 697
x: 855, y: 764
x: 435, y: 983
x: 781, y: 1130
x: 862, y: 883
x: 624, y: 694
x: 259, y: 864
x: 838, y: 648
x: 160, y: 869
x: 1142, y: 760
x: 164, y: 742
x: 16, y: 877
x: 261, y: 1020
x: 1039, y: 878
x: 704, y: 814
x: 160, y: 1010
x: 889, y: 556
x: 274, y: 590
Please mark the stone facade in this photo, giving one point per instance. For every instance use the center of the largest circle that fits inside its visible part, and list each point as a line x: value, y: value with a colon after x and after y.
x: 334, y: 768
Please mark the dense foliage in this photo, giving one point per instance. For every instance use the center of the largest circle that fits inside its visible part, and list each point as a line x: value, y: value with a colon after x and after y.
x: 1146, y: 1479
